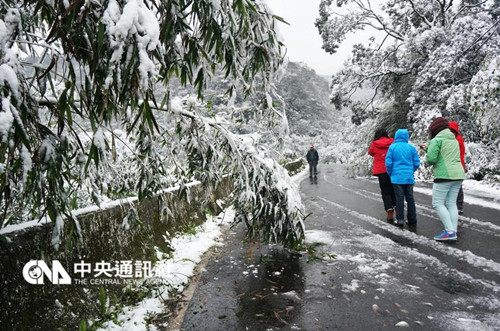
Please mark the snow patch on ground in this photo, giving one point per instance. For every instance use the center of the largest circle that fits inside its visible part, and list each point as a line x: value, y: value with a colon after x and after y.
x: 353, y: 287
x: 174, y: 273
x: 318, y: 236
x: 465, y: 321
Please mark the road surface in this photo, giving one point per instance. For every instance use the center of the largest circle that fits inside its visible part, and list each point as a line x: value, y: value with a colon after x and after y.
x: 382, y: 277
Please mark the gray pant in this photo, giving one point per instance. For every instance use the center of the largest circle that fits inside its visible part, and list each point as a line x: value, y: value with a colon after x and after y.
x: 313, y: 169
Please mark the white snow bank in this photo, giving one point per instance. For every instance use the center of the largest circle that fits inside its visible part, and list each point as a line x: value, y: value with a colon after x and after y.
x: 298, y: 178
x: 481, y: 189
x: 469, y: 198
x: 174, y: 272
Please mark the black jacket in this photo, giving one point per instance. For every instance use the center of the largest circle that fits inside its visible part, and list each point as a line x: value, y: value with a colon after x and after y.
x: 312, y: 156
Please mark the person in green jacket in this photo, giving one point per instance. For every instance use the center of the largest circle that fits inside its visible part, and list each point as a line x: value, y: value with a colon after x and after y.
x: 443, y: 153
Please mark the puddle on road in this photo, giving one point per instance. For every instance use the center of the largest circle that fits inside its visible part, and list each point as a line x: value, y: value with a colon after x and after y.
x: 272, y: 296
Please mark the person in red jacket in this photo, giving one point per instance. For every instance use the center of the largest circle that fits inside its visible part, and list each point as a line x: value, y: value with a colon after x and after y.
x: 378, y: 150
x: 456, y: 130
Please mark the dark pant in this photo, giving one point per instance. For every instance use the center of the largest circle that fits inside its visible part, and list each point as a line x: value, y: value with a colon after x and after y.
x: 460, y: 199
x: 405, y: 192
x: 313, y: 169
x: 387, y: 191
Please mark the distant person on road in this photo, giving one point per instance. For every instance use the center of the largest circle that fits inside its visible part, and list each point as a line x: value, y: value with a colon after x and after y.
x: 312, y: 158
x: 401, y: 162
x: 454, y: 127
x: 443, y: 153
x: 378, y: 150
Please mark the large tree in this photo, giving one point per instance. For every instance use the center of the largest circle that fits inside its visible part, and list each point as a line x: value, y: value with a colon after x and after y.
x: 73, y: 71
x: 434, y: 57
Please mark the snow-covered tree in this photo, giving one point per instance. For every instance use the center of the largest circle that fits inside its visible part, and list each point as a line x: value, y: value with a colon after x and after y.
x: 79, y: 79
x: 428, y: 58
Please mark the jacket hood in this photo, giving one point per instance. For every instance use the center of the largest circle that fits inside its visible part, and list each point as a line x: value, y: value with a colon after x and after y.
x: 446, y: 134
x: 454, y: 127
x: 402, y: 135
x: 383, y: 142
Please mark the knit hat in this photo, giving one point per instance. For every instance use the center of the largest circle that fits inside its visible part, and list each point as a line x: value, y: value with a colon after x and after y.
x: 438, y: 125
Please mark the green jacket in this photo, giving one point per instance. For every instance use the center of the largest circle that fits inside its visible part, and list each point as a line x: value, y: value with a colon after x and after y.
x: 443, y: 153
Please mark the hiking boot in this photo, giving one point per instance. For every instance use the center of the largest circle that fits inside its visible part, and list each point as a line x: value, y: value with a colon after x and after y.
x: 390, y: 215
x: 399, y: 224
x: 446, y: 235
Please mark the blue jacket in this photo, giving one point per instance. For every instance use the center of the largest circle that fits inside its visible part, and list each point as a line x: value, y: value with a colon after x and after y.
x: 402, y: 159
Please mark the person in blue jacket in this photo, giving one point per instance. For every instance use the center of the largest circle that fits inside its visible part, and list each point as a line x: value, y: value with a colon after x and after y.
x: 401, y: 162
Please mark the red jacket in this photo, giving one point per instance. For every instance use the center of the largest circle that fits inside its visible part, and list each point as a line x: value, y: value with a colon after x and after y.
x: 456, y: 130
x: 378, y: 149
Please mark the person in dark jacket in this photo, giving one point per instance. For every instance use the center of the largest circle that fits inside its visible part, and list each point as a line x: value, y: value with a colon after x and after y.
x: 378, y: 150
x: 312, y: 158
x: 455, y: 129
x: 401, y: 162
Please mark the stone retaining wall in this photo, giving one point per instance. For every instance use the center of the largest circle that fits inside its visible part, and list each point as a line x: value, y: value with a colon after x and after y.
x: 105, y: 237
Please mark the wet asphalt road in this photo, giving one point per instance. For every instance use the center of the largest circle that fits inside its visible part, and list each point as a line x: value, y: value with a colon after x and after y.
x: 381, y: 276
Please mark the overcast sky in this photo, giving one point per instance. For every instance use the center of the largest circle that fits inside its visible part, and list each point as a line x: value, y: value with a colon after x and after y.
x: 302, y: 38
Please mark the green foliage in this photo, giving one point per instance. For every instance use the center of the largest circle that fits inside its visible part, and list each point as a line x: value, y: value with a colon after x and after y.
x: 108, y: 309
x: 82, y: 72
x: 313, y: 254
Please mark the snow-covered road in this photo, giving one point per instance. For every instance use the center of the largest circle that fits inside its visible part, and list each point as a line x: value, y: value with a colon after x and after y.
x: 382, y: 278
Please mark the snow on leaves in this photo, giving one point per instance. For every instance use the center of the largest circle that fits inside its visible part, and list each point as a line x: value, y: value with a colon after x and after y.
x: 266, y: 199
x: 135, y: 24
x: 428, y: 62
x: 87, y: 109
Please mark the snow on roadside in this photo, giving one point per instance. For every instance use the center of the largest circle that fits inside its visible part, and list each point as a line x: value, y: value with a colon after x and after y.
x: 174, y: 272
x: 483, y: 224
x: 479, y: 188
x: 474, y: 191
x: 467, y: 198
x: 467, y: 256
x: 298, y: 178
x: 318, y: 236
